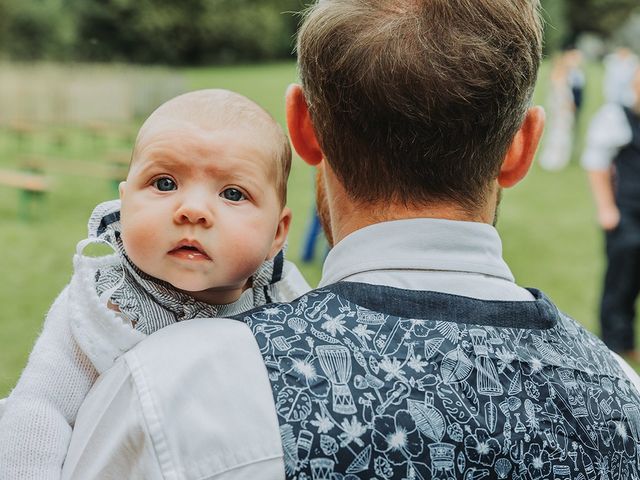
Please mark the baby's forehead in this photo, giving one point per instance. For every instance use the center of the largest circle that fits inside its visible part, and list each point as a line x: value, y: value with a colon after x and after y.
x: 204, y: 114
x: 191, y: 132
x: 215, y: 147
x: 206, y: 107
x: 211, y: 110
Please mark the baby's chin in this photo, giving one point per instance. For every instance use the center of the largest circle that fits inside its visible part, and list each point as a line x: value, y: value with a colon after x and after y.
x: 190, y: 281
x: 205, y: 292
x: 191, y: 287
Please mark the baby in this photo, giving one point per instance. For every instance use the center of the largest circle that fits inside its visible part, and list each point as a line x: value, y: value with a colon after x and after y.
x: 198, y: 232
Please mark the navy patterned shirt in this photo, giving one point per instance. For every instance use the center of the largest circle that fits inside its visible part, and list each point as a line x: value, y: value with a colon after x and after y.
x: 375, y: 382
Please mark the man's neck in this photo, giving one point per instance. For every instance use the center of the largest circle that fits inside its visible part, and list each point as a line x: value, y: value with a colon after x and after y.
x: 347, y: 221
x: 348, y: 215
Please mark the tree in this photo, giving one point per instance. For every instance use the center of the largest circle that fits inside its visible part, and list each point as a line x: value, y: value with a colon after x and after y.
x: 556, y: 27
x: 185, y: 32
x: 4, y: 22
x: 36, y: 29
x: 566, y: 20
x: 603, y: 17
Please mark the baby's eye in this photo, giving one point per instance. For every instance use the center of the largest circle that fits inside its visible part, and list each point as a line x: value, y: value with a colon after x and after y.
x: 165, y: 184
x: 233, y: 195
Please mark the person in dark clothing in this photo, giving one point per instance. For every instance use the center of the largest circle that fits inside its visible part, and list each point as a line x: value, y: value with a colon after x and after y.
x: 612, y: 159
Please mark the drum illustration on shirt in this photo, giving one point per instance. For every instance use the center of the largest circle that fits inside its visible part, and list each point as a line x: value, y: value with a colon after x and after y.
x: 335, y: 361
x: 362, y: 394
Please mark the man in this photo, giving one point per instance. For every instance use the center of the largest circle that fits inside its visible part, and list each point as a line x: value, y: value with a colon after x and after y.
x: 418, y: 357
x: 612, y: 158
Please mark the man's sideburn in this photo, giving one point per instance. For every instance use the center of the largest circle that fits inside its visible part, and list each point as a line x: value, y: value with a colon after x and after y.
x: 322, y: 207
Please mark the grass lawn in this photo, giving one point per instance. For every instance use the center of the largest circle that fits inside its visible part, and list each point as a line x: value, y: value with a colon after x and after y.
x: 548, y: 225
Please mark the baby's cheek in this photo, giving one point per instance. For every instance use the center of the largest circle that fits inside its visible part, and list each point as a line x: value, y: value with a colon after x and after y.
x: 249, y: 251
x: 139, y: 243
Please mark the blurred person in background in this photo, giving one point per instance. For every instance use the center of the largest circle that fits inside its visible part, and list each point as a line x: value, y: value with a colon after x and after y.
x: 575, y: 78
x: 612, y: 159
x: 619, y: 69
x: 561, y: 108
x: 566, y: 94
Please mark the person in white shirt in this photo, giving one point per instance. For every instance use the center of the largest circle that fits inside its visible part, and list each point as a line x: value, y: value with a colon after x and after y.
x: 612, y: 159
x: 418, y: 356
x: 199, y: 232
x: 619, y: 69
x: 558, y: 138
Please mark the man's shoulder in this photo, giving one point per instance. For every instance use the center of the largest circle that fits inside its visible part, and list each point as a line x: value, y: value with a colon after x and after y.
x: 571, y: 328
x: 567, y: 322
x: 278, y: 311
x: 576, y: 329
x: 204, y: 394
x: 190, y: 337
x: 212, y: 337
x: 174, y: 357
x: 585, y: 339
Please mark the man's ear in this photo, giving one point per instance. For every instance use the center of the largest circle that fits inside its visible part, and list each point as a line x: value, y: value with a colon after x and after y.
x: 281, y: 232
x: 523, y: 148
x: 303, y: 136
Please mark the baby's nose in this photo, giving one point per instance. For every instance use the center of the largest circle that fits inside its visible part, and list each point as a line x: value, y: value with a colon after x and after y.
x: 194, y: 213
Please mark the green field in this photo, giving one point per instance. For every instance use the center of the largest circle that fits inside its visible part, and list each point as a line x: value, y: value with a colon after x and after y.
x: 548, y: 225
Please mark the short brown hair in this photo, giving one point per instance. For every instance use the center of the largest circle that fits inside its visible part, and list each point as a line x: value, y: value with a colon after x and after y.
x: 418, y: 101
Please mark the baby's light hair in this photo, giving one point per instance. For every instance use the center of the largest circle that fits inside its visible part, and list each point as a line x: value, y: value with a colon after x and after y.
x: 213, y: 107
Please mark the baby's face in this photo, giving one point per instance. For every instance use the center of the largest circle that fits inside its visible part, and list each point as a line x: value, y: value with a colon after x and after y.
x: 200, y: 209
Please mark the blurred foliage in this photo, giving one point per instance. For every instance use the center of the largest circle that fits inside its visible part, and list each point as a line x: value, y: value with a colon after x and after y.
x: 197, y: 32
x: 566, y: 20
x: 4, y: 21
x: 36, y: 29
x: 556, y: 29
x: 149, y: 31
x: 186, y: 32
x: 603, y: 17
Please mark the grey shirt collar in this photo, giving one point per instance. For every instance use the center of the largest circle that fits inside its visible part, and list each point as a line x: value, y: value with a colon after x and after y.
x: 421, y: 245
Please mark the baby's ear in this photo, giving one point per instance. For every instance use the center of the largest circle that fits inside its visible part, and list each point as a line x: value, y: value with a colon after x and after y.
x: 281, y: 232
x: 121, y: 188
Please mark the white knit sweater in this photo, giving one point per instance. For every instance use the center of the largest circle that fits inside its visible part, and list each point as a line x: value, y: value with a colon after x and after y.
x: 80, y: 339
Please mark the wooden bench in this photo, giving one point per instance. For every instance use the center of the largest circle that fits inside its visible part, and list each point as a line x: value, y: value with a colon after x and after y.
x: 103, y: 133
x: 19, y: 127
x: 109, y: 171
x: 32, y: 186
x: 98, y: 131
x: 22, y: 130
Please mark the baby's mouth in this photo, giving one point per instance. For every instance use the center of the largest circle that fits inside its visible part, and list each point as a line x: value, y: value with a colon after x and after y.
x: 189, y: 251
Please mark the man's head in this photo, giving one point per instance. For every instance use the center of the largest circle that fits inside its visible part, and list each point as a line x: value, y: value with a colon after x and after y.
x: 418, y: 102
x: 203, y: 203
